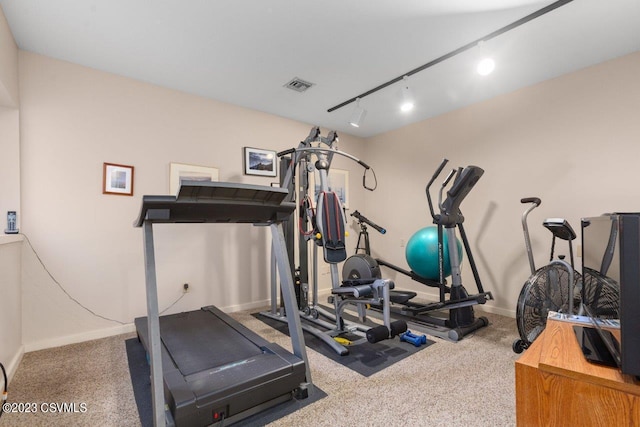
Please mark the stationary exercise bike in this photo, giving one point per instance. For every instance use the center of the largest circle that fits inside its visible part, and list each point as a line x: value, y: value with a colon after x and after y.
x: 554, y: 287
x: 461, y: 319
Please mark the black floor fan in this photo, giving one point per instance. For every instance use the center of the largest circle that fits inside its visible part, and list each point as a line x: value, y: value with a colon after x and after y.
x: 548, y: 289
x: 600, y: 294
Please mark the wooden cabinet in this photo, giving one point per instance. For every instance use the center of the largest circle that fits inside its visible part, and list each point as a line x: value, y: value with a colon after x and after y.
x: 556, y: 386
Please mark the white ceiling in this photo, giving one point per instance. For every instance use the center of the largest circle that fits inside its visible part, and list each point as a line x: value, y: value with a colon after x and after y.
x: 244, y: 51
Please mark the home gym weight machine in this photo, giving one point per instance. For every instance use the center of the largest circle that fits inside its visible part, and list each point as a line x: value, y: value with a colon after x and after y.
x: 328, y: 230
x: 461, y: 319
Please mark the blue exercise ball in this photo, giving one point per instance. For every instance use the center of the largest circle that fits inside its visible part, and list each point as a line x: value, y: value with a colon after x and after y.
x: 422, y: 253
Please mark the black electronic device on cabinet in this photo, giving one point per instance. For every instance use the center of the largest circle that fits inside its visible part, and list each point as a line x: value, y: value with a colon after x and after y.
x: 611, y: 256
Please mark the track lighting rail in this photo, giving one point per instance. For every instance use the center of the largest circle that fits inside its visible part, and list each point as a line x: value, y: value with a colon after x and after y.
x: 515, y: 24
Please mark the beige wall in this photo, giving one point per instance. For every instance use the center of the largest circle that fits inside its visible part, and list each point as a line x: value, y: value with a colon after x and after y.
x: 11, y: 348
x: 8, y: 67
x: 573, y: 141
x: 9, y: 123
x: 72, y: 120
x: 9, y: 163
x: 10, y: 262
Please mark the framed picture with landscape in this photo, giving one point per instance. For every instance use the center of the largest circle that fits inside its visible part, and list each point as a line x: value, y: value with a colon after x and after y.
x: 117, y: 179
x: 260, y: 162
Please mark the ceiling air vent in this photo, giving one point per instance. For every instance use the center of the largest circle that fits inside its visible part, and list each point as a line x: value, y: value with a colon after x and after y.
x: 298, y: 85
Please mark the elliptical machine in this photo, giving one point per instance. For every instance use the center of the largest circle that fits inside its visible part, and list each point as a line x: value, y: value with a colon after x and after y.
x: 461, y: 319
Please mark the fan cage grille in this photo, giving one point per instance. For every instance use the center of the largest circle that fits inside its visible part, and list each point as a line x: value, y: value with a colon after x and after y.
x: 546, y: 290
x: 601, y: 294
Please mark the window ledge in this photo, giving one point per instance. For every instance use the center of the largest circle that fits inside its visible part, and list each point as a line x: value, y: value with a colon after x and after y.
x: 10, y: 238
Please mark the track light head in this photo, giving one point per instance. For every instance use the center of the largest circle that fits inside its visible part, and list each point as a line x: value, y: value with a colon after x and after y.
x: 486, y: 66
x: 407, y: 97
x: 358, y: 115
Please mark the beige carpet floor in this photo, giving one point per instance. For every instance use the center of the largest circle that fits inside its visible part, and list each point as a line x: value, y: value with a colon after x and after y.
x: 468, y: 383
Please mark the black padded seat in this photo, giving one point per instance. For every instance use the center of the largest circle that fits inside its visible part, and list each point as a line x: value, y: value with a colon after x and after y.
x: 401, y: 297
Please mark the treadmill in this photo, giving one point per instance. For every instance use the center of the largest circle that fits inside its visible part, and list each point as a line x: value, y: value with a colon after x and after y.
x: 206, y: 368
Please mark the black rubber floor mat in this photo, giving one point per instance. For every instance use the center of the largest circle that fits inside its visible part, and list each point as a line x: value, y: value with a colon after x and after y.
x: 140, y: 379
x: 366, y: 358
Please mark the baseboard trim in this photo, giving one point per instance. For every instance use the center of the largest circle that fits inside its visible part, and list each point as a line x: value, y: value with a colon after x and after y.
x: 247, y: 306
x: 488, y: 307
x: 130, y: 327
x: 496, y: 310
x: 78, y: 338
x: 12, y: 367
x: 117, y: 330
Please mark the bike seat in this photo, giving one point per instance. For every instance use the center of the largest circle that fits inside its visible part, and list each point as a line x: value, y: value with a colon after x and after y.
x: 560, y: 228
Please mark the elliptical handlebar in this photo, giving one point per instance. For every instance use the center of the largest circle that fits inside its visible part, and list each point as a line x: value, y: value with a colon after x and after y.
x: 433, y: 178
x: 443, y: 186
x: 525, y: 229
x: 464, y: 179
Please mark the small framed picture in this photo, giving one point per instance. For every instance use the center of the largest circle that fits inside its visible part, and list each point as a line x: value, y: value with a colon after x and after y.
x: 117, y: 179
x: 179, y: 172
x: 260, y: 162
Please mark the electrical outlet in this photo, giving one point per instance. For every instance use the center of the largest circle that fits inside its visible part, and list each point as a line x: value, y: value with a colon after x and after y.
x: 185, y: 288
x: 402, y: 243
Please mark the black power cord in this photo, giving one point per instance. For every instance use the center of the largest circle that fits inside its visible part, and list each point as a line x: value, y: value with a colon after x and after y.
x: 75, y: 300
x: 5, y: 392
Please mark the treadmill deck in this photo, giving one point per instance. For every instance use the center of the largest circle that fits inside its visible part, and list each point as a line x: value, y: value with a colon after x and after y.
x: 214, y: 368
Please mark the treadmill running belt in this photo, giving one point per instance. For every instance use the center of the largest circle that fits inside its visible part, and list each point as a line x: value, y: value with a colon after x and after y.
x: 199, y: 341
